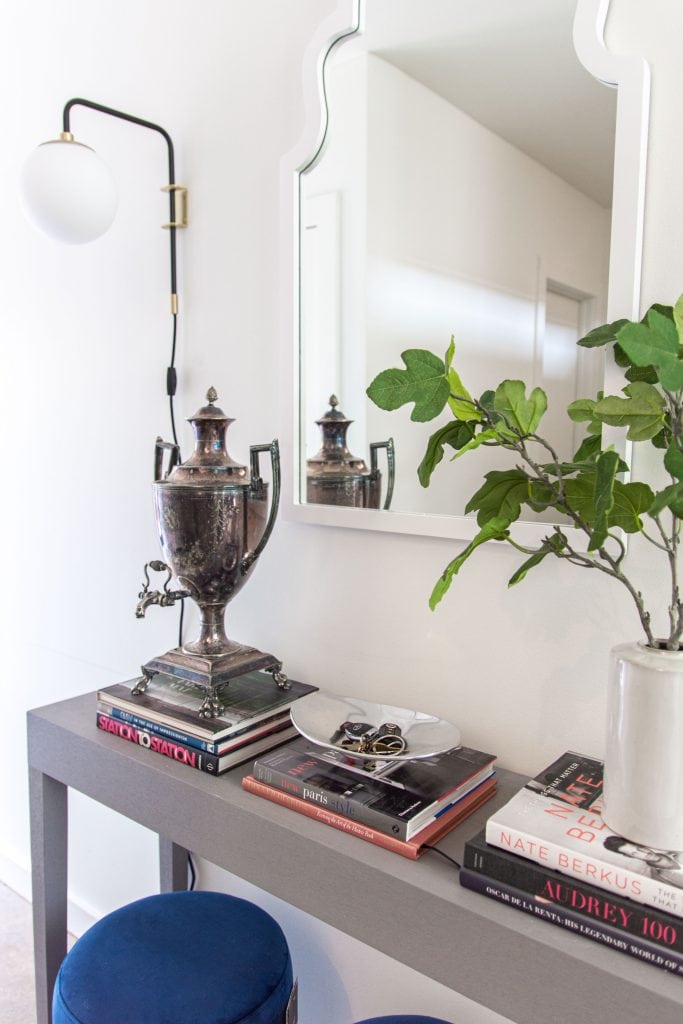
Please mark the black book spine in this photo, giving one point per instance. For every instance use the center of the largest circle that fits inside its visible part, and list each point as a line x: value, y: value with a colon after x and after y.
x: 574, y: 922
x: 179, y: 752
x: 314, y: 793
x: 600, y: 905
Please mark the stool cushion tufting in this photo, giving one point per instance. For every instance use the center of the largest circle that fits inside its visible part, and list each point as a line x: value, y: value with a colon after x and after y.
x: 177, y: 958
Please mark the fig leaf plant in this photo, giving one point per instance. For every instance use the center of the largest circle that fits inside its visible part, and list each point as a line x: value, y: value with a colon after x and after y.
x: 594, y: 491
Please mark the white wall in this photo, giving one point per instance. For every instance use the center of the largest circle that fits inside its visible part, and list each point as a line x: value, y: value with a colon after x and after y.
x: 84, y: 341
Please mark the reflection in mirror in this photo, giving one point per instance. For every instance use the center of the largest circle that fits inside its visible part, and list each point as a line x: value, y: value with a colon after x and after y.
x: 464, y: 189
x: 336, y: 477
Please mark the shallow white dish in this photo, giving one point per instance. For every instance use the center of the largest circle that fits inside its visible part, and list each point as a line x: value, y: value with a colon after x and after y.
x: 319, y: 717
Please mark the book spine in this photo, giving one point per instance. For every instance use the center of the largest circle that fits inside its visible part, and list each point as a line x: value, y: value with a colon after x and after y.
x: 190, y: 756
x: 161, y: 730
x: 573, y: 921
x: 327, y: 817
x: 536, y: 881
x: 314, y: 794
x: 581, y: 865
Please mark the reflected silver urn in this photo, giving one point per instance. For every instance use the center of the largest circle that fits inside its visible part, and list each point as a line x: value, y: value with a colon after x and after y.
x: 334, y: 476
x: 214, y: 520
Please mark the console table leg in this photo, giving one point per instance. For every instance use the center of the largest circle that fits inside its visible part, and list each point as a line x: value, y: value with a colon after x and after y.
x: 173, y: 862
x: 49, y: 818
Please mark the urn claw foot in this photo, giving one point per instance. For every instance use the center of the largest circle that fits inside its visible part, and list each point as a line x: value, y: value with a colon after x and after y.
x: 211, y: 706
x: 143, y: 681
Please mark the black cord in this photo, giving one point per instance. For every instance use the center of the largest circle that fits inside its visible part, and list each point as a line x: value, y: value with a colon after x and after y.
x: 172, y: 380
x: 193, y: 873
x: 435, y: 849
x: 180, y: 622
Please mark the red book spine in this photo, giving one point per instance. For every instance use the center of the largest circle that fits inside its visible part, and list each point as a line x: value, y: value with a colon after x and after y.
x: 411, y: 848
x: 190, y: 756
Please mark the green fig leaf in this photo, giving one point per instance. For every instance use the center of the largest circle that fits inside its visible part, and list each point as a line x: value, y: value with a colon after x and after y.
x: 630, y: 502
x: 521, y: 413
x: 606, y: 469
x: 483, y: 437
x: 642, y: 411
x: 589, y: 449
x: 495, y: 529
x: 423, y: 382
x: 461, y: 406
x: 654, y: 342
x: 454, y: 434
x: 678, y: 319
x: 551, y: 546
x: 501, y: 496
x: 671, y: 497
x: 603, y: 335
x: 673, y: 461
x: 582, y: 410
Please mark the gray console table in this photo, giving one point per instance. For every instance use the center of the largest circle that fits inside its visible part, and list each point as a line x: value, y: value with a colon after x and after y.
x: 523, y: 968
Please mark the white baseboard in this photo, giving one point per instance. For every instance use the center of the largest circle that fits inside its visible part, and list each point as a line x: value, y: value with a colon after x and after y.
x: 17, y: 876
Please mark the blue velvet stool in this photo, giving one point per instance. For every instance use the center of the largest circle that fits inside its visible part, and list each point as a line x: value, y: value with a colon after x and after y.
x: 403, y: 1018
x: 177, y: 958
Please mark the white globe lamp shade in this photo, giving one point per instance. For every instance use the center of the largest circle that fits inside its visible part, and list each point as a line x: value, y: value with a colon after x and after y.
x: 68, y: 192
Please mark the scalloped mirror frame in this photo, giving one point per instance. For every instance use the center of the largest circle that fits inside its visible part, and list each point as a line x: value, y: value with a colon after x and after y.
x: 630, y: 75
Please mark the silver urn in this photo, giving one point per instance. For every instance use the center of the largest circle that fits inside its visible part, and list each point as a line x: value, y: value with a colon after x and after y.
x: 214, y: 521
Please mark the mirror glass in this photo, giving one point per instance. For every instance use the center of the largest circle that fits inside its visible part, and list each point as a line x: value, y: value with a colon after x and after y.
x: 463, y: 188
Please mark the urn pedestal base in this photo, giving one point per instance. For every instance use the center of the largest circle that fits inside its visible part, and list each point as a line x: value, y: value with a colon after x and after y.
x: 210, y: 672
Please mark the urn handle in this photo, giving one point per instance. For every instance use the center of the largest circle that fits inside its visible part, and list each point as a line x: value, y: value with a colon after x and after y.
x: 391, y: 467
x: 256, y: 484
x: 173, y: 459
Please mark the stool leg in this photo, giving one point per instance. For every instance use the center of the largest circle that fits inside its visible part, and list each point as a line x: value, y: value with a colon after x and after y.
x: 173, y: 862
x: 49, y: 811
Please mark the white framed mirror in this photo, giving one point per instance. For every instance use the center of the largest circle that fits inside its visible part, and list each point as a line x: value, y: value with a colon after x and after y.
x: 461, y: 173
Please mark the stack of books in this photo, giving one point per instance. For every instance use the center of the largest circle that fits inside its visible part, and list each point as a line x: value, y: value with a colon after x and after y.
x: 404, y: 806
x: 165, y: 719
x: 548, y: 852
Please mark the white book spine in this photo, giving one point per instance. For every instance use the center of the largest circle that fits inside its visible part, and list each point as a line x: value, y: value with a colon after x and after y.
x: 578, y: 864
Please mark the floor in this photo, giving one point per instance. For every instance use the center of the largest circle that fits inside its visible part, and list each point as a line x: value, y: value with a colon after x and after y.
x: 17, y: 1002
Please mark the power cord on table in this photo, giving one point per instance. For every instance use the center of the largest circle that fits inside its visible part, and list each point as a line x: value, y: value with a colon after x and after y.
x: 435, y: 849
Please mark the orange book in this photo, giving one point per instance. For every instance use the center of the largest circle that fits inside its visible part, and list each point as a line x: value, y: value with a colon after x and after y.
x: 411, y: 848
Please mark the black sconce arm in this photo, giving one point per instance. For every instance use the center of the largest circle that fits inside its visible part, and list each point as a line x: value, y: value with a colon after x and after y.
x: 171, y: 188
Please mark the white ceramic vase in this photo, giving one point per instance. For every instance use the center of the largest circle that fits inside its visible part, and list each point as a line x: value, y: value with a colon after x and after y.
x: 643, y: 791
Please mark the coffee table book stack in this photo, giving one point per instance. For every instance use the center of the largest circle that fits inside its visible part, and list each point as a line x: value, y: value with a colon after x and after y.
x: 165, y: 719
x: 548, y: 852
x: 404, y: 806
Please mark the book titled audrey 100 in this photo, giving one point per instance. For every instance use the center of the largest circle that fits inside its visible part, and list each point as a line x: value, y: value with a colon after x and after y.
x: 555, y: 820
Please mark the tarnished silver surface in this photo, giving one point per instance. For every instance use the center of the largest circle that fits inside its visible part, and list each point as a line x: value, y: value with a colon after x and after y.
x: 336, y: 477
x: 213, y: 520
x: 320, y: 716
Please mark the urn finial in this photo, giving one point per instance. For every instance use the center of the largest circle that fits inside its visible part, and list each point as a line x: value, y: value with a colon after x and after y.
x: 211, y: 395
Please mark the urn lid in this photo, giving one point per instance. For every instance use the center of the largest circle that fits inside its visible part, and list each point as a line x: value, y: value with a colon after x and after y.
x: 210, y: 462
x: 334, y: 458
